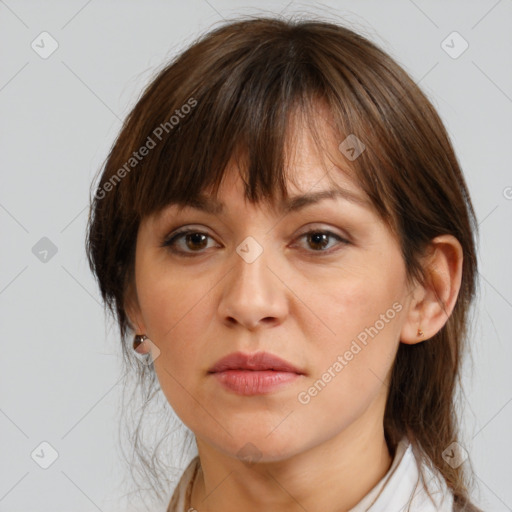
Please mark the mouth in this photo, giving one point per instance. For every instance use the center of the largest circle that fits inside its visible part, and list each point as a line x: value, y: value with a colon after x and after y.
x: 254, y: 374
x: 260, y: 361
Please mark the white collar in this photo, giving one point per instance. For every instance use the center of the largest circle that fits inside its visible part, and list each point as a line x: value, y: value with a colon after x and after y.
x: 402, y: 484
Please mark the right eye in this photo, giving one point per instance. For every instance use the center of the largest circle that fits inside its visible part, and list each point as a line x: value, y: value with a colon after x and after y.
x: 192, y: 238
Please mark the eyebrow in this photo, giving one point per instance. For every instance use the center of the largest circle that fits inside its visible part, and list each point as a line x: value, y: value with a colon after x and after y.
x: 293, y: 204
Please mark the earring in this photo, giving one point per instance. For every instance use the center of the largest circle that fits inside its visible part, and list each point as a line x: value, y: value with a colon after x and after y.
x: 138, y: 340
x: 420, y: 332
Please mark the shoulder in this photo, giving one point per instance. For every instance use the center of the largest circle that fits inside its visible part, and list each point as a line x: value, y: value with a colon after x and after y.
x: 431, y: 492
x: 410, y: 486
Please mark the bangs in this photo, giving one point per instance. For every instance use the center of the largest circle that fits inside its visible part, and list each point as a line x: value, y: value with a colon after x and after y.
x: 241, y: 102
x: 249, y: 114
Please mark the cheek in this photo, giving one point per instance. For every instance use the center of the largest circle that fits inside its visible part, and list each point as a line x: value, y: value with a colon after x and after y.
x: 361, y: 320
x: 348, y: 301
x: 171, y: 302
x: 351, y: 369
x: 177, y: 316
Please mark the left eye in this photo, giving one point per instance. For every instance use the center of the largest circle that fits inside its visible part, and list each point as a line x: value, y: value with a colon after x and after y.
x: 320, y: 239
x: 194, y: 239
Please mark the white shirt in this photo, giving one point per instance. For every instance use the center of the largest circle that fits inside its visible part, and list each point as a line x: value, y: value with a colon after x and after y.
x: 391, y: 494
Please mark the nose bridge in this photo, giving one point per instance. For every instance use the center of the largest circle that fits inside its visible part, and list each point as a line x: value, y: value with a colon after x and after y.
x: 252, y: 294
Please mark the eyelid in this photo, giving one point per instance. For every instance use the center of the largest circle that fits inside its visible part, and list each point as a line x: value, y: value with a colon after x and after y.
x: 185, y: 228
x: 320, y: 226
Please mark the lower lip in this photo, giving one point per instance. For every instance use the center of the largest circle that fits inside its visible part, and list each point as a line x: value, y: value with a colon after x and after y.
x: 250, y: 382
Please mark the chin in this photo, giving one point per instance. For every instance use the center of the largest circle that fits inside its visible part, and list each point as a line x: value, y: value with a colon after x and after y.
x: 261, y: 447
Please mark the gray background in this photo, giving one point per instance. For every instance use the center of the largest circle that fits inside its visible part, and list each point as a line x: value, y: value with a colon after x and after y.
x: 59, y: 369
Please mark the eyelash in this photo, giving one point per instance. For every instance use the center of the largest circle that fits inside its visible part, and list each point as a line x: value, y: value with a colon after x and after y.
x: 171, y: 241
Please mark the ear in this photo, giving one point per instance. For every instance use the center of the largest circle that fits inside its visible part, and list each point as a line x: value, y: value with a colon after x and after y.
x: 433, y: 302
x: 132, y: 309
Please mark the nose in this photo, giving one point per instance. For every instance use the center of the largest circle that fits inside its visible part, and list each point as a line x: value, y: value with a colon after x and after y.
x: 253, y: 294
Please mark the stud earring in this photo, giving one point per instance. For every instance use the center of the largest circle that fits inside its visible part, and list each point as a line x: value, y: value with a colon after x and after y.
x: 420, y: 332
x: 138, y: 340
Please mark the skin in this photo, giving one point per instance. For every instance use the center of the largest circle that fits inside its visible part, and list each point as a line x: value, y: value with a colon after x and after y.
x: 300, y: 304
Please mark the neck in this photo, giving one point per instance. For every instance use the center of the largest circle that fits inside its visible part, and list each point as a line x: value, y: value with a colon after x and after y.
x: 347, y: 467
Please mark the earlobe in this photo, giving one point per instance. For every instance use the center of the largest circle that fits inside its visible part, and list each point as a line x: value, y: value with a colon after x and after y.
x: 438, y: 295
x: 140, y: 345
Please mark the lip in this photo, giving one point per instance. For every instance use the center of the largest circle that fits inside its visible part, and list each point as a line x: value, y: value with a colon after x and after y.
x: 258, y: 361
x: 254, y: 374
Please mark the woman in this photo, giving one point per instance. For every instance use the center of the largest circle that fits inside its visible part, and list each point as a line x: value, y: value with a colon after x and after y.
x: 284, y: 227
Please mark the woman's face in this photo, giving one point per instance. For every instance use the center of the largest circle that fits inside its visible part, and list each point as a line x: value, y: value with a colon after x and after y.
x: 252, y: 281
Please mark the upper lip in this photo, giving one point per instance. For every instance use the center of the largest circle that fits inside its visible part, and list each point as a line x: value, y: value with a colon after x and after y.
x: 257, y: 361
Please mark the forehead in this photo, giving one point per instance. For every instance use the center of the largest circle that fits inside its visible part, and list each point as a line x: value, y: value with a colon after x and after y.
x: 315, y: 170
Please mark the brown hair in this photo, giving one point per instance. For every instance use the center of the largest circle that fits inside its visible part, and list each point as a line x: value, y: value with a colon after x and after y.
x: 233, y: 92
